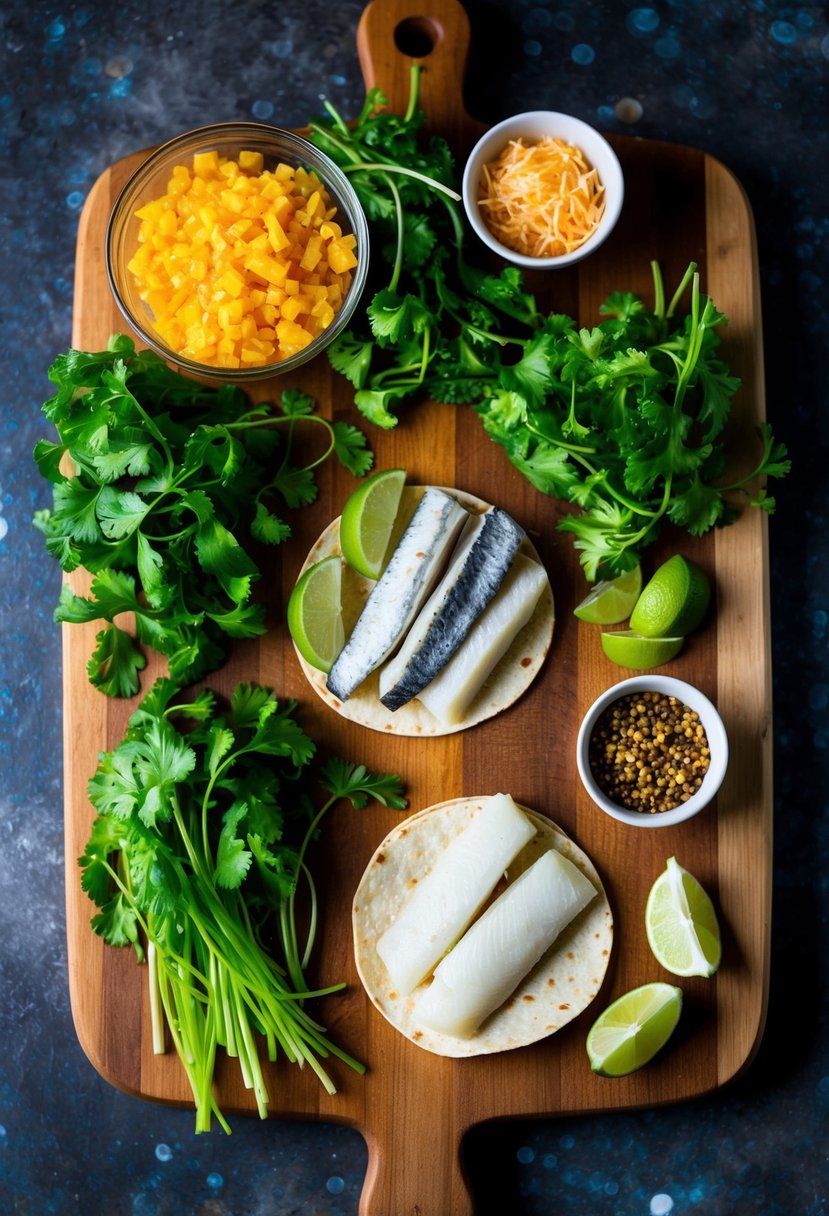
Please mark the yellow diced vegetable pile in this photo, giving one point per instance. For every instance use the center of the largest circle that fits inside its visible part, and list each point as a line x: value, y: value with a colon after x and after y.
x: 239, y: 265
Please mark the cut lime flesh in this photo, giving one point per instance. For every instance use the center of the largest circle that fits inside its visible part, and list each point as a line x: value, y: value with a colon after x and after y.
x: 314, y: 613
x: 611, y: 601
x: 633, y: 1029
x: 681, y: 924
x: 368, y: 519
x: 630, y: 649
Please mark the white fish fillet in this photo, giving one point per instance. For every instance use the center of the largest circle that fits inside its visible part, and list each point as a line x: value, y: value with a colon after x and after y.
x: 401, y: 590
x: 476, y: 571
x: 450, y: 694
x: 448, y: 897
x: 492, y: 958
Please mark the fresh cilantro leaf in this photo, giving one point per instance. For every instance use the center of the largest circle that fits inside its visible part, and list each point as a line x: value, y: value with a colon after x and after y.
x: 232, y: 858
x: 351, y: 449
x: 267, y: 527
x: 296, y: 486
x: 374, y: 404
x: 351, y: 357
x: 115, y: 662
x: 393, y: 317
x: 355, y: 782
x: 296, y: 404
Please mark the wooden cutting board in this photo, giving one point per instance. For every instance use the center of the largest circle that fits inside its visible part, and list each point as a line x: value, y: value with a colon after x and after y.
x: 412, y: 1107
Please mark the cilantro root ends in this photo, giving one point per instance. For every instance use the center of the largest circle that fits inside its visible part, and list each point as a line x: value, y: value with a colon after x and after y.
x: 199, y: 849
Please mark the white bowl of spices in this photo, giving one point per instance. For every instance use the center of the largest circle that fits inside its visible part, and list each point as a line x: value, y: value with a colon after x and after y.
x: 543, y: 189
x: 652, y: 751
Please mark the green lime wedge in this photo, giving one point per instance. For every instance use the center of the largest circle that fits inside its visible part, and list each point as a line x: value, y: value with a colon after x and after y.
x: 314, y: 613
x: 367, y: 521
x: 674, y: 601
x: 633, y: 1029
x: 611, y: 601
x: 681, y: 923
x: 630, y: 649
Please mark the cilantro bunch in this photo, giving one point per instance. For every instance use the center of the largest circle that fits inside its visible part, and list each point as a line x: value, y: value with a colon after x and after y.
x: 434, y: 323
x: 624, y: 420
x: 203, y: 829
x: 160, y: 488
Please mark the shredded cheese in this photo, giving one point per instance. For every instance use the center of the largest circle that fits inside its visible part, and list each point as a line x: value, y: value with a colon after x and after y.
x: 541, y: 199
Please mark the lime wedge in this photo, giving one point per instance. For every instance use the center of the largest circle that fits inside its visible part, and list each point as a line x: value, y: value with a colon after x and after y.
x: 314, y: 613
x: 681, y: 923
x: 367, y: 521
x: 674, y: 601
x: 633, y: 1029
x: 630, y: 649
x: 611, y: 601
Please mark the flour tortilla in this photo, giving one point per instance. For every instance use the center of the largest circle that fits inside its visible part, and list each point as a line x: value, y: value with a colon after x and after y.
x: 511, y: 677
x: 561, y: 985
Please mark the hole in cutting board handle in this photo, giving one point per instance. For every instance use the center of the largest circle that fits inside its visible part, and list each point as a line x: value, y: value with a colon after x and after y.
x: 417, y: 37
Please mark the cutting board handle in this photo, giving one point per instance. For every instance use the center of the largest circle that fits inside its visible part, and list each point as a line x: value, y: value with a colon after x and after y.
x: 394, y: 34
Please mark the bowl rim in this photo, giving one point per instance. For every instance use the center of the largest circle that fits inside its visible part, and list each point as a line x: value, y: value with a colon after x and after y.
x: 715, y: 730
x: 613, y: 179
x: 215, y: 132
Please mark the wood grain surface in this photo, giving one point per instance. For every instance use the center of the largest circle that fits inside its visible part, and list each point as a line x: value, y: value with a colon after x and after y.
x: 412, y: 1107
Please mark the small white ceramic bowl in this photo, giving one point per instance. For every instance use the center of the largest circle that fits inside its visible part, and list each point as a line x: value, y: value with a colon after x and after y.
x: 531, y: 126
x: 717, y: 742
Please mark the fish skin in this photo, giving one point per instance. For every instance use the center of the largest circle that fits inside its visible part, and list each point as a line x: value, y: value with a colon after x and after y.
x: 457, y: 602
x: 411, y: 572
x: 449, y: 695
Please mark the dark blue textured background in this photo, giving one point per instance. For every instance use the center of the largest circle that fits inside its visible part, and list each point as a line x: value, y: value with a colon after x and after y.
x: 83, y: 84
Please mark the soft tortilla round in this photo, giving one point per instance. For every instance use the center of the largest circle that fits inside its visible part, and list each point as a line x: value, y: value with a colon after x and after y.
x: 511, y: 677
x: 561, y: 985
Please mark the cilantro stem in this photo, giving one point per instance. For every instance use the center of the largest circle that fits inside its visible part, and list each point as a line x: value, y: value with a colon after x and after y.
x: 689, y: 272
x: 414, y: 92
x: 398, y: 255
x: 382, y: 167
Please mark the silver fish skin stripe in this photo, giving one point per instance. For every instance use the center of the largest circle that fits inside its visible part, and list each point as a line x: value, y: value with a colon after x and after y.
x: 400, y: 592
x: 464, y: 600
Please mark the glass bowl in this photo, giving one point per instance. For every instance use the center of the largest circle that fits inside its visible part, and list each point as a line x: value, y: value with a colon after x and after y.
x: 533, y: 126
x: 150, y: 182
x: 712, y: 723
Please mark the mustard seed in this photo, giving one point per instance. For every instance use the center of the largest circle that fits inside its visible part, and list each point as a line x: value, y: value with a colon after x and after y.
x: 649, y: 752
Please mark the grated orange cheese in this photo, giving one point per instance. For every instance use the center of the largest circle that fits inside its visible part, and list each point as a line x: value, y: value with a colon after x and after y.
x: 241, y: 266
x: 541, y: 199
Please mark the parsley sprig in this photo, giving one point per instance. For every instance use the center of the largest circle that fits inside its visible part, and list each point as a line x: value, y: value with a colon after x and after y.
x: 168, y: 484
x: 204, y: 826
x: 624, y: 420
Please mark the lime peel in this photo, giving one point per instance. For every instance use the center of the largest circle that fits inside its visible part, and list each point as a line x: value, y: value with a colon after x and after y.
x: 631, y: 649
x: 674, y: 601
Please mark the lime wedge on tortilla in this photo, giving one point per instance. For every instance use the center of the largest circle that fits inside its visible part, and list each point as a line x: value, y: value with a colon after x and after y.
x: 367, y: 521
x: 314, y: 613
